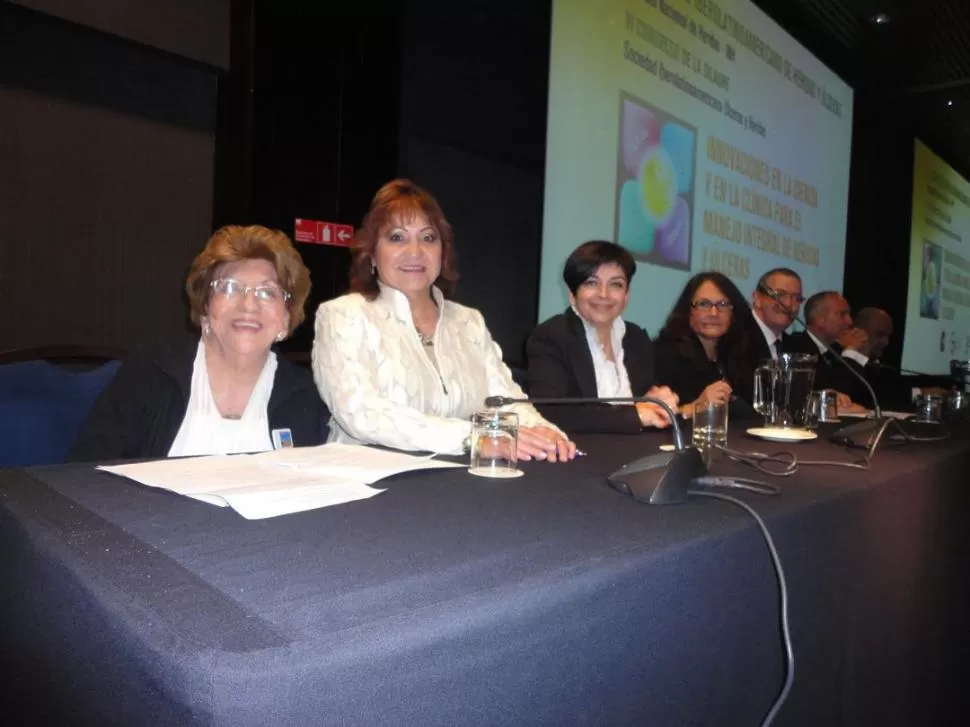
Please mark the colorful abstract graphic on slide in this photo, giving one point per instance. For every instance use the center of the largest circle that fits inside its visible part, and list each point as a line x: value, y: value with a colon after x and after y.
x: 655, y: 184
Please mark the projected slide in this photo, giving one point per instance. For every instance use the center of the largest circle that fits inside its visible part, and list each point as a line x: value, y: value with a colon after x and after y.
x: 700, y: 136
x: 938, y: 297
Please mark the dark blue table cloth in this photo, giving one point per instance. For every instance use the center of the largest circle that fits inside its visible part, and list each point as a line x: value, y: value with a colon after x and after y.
x: 449, y: 599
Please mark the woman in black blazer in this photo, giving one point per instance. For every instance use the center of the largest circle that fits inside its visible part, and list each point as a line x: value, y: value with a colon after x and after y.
x: 590, y: 351
x: 707, y: 349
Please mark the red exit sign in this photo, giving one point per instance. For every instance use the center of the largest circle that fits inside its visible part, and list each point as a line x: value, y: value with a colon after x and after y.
x: 317, y: 232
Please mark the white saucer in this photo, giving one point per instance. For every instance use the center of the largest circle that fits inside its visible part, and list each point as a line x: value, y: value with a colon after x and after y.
x: 667, y: 448
x: 776, y: 434
x: 498, y: 474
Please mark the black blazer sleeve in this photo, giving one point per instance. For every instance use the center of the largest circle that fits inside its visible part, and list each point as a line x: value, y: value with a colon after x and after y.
x: 891, y: 388
x: 133, y: 417
x: 829, y: 372
x: 687, y: 371
x: 295, y: 404
x: 686, y: 375
x: 560, y: 365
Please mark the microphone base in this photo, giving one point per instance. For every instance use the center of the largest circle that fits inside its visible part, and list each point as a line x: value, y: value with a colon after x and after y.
x: 866, y: 434
x: 659, y: 479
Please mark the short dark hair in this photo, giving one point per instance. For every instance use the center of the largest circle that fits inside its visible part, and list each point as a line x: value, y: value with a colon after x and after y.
x: 399, y: 199
x: 763, y: 280
x: 587, y: 258
x: 814, y: 303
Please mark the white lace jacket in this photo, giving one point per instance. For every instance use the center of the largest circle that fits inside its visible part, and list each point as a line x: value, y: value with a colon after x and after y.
x: 381, y: 386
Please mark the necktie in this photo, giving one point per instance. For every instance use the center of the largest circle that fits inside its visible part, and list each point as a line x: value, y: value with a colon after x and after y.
x: 777, y: 345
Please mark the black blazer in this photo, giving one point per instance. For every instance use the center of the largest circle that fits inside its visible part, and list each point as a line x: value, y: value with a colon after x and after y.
x: 140, y: 412
x: 561, y: 365
x: 683, y: 365
x: 761, y: 349
x: 829, y: 373
x: 891, y: 387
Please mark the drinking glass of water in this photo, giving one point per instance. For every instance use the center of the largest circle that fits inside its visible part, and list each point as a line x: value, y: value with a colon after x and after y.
x: 710, y: 426
x: 494, y: 439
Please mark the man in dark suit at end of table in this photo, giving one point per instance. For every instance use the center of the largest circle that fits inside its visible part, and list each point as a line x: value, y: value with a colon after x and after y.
x: 830, y: 325
x: 895, y: 391
x: 771, y: 317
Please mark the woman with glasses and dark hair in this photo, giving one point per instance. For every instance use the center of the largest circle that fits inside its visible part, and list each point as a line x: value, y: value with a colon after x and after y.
x: 398, y: 363
x: 706, y: 349
x: 590, y: 351
x: 228, y: 392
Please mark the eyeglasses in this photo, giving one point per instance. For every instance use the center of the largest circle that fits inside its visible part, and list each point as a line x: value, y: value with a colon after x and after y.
x: 265, y: 293
x: 791, y: 297
x: 704, y: 305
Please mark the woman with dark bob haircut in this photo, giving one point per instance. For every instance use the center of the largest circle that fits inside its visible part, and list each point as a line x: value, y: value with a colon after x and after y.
x: 706, y: 349
x: 590, y: 351
x: 399, y: 364
x: 227, y: 392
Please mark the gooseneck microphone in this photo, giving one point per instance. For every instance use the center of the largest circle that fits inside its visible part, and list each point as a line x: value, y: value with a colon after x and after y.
x: 657, y: 479
x: 865, y: 434
x: 895, y: 369
x: 497, y: 401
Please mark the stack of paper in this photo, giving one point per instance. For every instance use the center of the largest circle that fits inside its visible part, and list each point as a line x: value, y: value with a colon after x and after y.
x: 280, y: 482
x: 866, y: 413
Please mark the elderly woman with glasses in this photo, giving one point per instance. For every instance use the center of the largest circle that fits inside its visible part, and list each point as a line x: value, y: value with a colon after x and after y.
x: 228, y: 392
x: 706, y: 350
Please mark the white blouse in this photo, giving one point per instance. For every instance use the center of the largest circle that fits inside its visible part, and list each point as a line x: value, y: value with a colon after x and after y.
x: 383, y: 388
x: 612, y: 379
x: 205, y: 431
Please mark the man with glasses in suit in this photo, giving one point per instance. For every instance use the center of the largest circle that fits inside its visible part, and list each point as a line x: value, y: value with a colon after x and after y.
x: 770, y: 315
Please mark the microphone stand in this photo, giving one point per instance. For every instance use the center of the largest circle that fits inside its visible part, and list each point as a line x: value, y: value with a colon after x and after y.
x: 657, y: 479
x: 866, y: 434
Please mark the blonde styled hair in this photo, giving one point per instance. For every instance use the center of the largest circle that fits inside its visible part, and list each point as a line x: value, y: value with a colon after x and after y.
x: 235, y: 243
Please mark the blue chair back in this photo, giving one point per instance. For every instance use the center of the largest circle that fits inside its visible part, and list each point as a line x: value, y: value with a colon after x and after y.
x: 42, y: 407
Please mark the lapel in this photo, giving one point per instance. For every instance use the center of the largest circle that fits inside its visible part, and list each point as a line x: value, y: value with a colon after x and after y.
x: 637, y: 361
x: 580, y: 357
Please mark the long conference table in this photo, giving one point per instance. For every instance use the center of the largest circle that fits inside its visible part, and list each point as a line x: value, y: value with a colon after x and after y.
x: 453, y: 600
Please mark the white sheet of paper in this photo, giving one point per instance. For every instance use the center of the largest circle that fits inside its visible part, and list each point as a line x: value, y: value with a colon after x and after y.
x: 352, y: 461
x: 279, y: 482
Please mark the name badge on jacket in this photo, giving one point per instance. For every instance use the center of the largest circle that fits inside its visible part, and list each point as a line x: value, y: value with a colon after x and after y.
x: 282, y: 438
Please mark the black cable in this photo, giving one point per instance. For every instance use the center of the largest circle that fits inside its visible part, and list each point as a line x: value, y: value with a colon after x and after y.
x: 862, y: 464
x: 739, y: 483
x: 783, y: 587
x: 908, y: 435
x: 783, y: 464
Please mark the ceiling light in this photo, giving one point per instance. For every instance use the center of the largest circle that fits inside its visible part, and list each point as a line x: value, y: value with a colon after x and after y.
x: 949, y: 102
x: 879, y: 19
